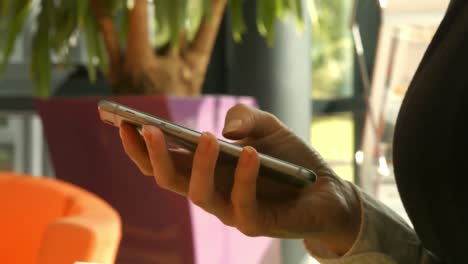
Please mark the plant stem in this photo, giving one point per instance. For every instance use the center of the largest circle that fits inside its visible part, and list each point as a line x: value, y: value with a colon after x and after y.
x: 110, y: 38
x: 206, y: 35
x: 138, y: 43
x: 198, y: 55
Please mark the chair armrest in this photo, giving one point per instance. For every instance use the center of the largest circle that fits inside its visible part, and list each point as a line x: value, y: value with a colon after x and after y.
x: 92, y: 235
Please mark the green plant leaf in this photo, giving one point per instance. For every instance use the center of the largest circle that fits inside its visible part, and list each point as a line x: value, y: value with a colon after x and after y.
x: 266, y: 19
x: 83, y: 11
x: 195, y: 12
x: 170, y: 19
x: 176, y: 21
x: 40, y: 59
x: 280, y: 9
x: 295, y: 7
x: 162, y: 34
x: 260, y: 16
x: 64, y: 23
x: 5, y: 6
x: 237, y: 19
x: 270, y: 22
x: 112, y: 6
x: 90, y: 34
x: 208, y: 7
x: 300, y: 16
x: 95, y: 48
x: 18, y: 17
x: 2, y: 6
x: 102, y: 54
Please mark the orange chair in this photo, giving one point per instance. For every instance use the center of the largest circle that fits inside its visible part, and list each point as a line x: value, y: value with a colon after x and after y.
x: 50, y: 221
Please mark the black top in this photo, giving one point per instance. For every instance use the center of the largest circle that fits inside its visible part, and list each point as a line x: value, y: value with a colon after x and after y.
x: 431, y: 141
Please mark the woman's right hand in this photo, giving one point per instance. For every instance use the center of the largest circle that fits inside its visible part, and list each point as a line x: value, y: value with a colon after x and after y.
x: 326, y: 214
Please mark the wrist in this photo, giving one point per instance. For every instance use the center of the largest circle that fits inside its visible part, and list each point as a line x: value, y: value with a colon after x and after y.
x: 341, y: 240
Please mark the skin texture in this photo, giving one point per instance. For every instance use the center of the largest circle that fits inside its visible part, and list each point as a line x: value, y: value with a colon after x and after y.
x: 325, y: 214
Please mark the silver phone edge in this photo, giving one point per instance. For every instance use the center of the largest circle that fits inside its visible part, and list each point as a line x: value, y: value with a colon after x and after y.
x: 303, y: 175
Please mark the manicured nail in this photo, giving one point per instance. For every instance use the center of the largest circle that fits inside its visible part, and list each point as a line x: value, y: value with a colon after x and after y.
x: 232, y: 126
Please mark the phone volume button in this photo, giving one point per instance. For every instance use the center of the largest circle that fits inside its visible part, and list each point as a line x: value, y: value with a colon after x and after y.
x: 170, y: 128
x: 176, y: 130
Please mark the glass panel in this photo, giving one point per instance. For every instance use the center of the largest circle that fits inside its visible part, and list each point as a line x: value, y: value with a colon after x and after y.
x: 332, y: 53
x: 6, y: 147
x: 6, y: 157
x: 333, y: 137
x: 404, y: 51
x: 3, y: 122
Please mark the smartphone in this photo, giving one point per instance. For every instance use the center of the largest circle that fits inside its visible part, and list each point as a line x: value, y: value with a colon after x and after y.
x: 283, y: 175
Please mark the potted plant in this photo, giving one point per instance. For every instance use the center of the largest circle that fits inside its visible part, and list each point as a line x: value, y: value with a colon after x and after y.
x: 167, y: 53
x: 163, y: 55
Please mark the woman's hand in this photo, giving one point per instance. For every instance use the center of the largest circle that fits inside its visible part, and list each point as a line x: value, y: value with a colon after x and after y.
x: 325, y: 214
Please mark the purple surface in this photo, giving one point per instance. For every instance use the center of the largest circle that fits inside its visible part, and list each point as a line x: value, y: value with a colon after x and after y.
x: 205, y: 113
x: 88, y: 153
x: 216, y: 243
x: 158, y: 225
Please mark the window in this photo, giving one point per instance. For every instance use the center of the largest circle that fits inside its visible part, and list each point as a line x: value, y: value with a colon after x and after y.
x: 333, y: 137
x: 332, y: 50
x: 332, y: 132
x: 6, y: 157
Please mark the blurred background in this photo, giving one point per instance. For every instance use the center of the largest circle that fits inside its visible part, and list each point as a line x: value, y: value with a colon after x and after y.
x: 336, y: 77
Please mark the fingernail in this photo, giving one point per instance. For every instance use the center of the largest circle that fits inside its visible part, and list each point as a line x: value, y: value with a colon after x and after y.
x: 147, y: 133
x: 232, y: 126
x: 249, y: 155
x: 205, y: 142
x: 121, y: 133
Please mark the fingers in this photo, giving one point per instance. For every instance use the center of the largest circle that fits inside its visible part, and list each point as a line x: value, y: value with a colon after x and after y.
x: 244, y: 121
x: 135, y: 148
x: 202, y: 182
x: 244, y: 195
x: 241, y: 211
x: 163, y: 168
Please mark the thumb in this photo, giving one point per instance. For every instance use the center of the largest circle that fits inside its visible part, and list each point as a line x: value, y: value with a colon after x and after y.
x: 244, y: 121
